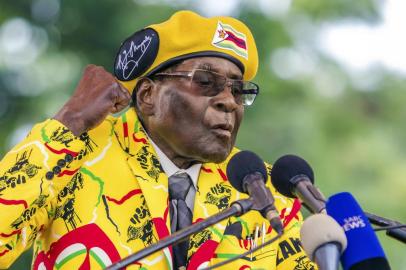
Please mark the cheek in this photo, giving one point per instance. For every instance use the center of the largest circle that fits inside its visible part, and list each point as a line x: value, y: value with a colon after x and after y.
x: 186, y: 109
x: 164, y: 113
x: 238, y: 119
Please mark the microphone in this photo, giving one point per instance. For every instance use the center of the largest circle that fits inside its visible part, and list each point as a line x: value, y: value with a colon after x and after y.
x: 363, y: 250
x: 247, y: 173
x: 323, y: 240
x: 293, y: 177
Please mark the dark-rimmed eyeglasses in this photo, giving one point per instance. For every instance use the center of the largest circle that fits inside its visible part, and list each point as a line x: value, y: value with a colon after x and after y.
x: 211, y: 83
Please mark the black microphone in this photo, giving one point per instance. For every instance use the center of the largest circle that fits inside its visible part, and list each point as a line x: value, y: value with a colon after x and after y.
x: 293, y: 177
x: 247, y: 173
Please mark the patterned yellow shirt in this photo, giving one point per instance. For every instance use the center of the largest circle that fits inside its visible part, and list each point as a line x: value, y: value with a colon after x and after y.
x: 86, y: 202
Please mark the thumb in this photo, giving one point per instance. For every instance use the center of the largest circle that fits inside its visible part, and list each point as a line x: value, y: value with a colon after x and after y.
x: 122, y: 98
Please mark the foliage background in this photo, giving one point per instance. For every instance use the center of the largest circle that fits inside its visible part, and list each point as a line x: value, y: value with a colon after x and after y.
x: 348, y: 125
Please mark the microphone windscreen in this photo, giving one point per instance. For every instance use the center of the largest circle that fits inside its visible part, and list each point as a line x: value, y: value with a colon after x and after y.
x: 363, y: 250
x: 318, y: 230
x: 287, y: 167
x: 242, y: 164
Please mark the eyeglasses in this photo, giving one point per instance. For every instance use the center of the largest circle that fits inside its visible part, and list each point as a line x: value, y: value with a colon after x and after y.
x: 211, y: 83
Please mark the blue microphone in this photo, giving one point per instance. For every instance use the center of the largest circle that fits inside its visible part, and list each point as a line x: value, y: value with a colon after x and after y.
x: 363, y: 250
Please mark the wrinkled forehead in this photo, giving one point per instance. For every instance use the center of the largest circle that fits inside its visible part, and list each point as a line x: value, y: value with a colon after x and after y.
x: 215, y: 64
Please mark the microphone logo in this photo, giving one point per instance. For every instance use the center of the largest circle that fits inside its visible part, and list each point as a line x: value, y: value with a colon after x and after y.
x: 354, y: 222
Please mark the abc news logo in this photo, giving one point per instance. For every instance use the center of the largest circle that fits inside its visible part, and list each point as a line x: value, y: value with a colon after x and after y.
x: 354, y: 222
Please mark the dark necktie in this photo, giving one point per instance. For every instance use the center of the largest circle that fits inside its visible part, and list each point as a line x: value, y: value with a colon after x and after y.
x: 181, y: 194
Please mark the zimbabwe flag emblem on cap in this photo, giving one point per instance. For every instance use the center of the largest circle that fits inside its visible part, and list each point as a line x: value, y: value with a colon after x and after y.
x: 226, y: 37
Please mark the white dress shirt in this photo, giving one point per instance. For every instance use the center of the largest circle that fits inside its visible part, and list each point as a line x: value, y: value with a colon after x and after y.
x: 170, y: 168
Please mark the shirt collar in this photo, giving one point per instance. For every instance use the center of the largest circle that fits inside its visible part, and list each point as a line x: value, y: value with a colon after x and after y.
x: 170, y: 168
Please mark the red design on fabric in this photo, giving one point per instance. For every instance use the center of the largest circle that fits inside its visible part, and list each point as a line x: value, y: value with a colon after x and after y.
x: 4, y: 252
x: 14, y: 202
x: 161, y: 229
x: 125, y: 197
x: 246, y: 243
x: 222, y: 174
x: 166, y: 212
x: 125, y: 128
x: 207, y: 170
x: 90, y: 236
x: 293, y: 213
x: 203, y: 254
x: 67, y: 172
x: 282, y: 214
x: 86, y: 263
x: 244, y: 267
x: 160, y: 226
x: 198, y: 220
x: 10, y: 234
x: 142, y: 140
x: 240, y: 242
x: 62, y: 151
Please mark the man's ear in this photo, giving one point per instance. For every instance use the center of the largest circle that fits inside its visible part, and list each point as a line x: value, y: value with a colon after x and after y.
x: 145, y: 95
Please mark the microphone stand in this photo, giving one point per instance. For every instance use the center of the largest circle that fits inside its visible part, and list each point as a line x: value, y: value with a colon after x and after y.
x: 237, y: 208
x: 397, y: 233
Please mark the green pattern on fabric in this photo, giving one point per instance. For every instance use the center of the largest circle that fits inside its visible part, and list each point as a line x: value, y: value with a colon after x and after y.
x: 226, y: 255
x: 168, y: 263
x: 68, y: 258
x: 137, y: 126
x: 97, y: 259
x: 216, y: 232
x: 44, y: 136
x: 124, y: 118
x: 244, y: 223
x: 98, y: 180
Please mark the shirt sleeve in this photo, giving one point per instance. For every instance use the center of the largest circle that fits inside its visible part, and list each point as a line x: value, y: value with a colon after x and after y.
x: 31, y: 176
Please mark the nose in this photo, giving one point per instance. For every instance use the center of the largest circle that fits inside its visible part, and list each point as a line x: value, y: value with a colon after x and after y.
x: 225, y: 101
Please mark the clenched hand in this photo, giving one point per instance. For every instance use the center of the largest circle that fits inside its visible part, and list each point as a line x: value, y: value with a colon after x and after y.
x: 97, y: 95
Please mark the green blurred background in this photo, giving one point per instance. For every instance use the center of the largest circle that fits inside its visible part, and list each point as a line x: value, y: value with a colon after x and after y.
x: 331, y: 75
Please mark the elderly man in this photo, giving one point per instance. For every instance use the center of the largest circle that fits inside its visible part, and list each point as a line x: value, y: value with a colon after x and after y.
x: 102, y: 180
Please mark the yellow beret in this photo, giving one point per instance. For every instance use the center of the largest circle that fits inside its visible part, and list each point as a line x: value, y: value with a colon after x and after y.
x: 185, y: 35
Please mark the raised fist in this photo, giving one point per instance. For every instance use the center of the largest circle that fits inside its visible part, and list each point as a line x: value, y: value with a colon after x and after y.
x: 97, y: 95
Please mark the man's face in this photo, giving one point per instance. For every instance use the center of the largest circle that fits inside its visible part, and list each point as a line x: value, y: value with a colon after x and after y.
x: 189, y: 125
